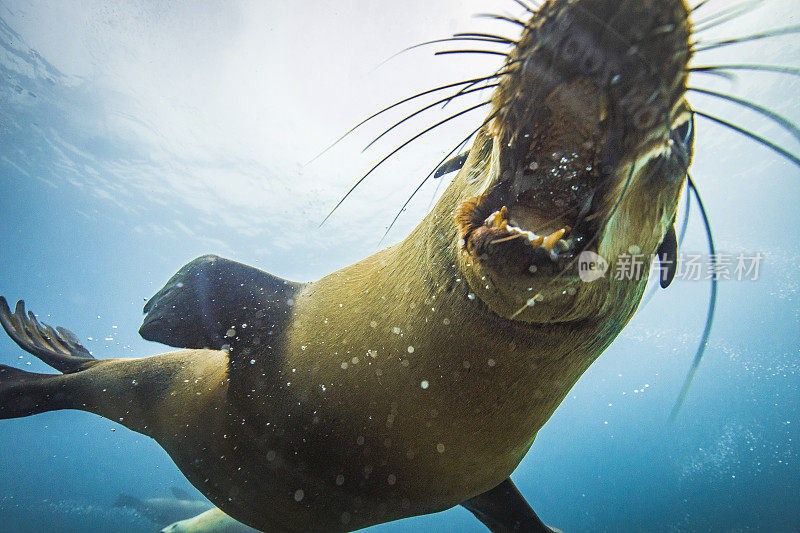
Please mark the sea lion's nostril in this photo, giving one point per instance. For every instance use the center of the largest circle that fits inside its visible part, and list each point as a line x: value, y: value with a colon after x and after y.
x: 592, y: 61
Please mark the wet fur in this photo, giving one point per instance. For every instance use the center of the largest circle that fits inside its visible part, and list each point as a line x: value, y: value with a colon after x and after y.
x: 339, y: 390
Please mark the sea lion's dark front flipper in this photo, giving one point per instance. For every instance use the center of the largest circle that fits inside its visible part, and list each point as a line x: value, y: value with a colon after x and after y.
x: 211, y: 302
x: 451, y: 165
x: 668, y: 257
x: 504, y: 510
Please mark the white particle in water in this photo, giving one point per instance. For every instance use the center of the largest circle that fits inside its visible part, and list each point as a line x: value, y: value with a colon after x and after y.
x: 410, y: 349
x: 424, y: 384
x: 298, y: 495
x: 440, y: 448
x: 471, y: 296
x: 396, y: 330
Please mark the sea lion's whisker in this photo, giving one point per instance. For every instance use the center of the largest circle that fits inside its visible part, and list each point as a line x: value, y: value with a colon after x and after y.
x: 725, y: 75
x: 759, y: 139
x: 493, y: 16
x: 455, y: 38
x: 427, y: 107
x: 498, y: 38
x: 445, y: 158
x: 778, y: 69
x: 712, y: 305
x: 768, y: 113
x: 725, y: 15
x: 526, y: 7
x: 686, y: 213
x: 747, y: 38
x: 409, y: 141
x: 506, y: 239
x: 403, y: 101
x: 699, y: 5
x: 504, y: 70
x: 488, y: 52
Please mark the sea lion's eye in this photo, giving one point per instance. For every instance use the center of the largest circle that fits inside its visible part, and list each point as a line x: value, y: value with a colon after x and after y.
x: 684, y: 132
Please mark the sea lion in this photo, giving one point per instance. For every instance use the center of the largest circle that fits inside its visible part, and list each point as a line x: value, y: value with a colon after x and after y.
x: 417, y: 379
x: 211, y: 521
x: 163, y: 511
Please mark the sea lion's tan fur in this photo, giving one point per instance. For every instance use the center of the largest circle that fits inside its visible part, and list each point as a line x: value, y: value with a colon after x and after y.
x: 410, y: 381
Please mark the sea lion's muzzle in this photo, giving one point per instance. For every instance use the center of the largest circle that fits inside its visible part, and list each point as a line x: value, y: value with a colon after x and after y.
x: 583, y: 116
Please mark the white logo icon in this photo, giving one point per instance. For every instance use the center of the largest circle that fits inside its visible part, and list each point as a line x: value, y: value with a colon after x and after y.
x: 591, y: 267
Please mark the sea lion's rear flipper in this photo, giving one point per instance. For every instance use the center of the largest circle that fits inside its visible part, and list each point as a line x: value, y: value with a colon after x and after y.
x: 214, y: 302
x: 504, y: 510
x: 25, y: 393
x: 57, y: 347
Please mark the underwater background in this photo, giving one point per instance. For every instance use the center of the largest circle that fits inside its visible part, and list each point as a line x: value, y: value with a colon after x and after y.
x: 135, y: 136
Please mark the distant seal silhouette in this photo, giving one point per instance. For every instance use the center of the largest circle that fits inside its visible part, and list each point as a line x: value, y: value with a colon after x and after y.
x: 417, y: 379
x: 211, y: 521
x: 164, y: 511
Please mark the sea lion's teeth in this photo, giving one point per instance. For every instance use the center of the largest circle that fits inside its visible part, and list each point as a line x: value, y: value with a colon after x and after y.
x: 535, y: 240
x: 498, y: 219
x: 551, y: 240
x: 501, y: 220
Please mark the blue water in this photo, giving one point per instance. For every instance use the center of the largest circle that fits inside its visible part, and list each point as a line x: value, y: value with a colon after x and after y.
x: 135, y: 137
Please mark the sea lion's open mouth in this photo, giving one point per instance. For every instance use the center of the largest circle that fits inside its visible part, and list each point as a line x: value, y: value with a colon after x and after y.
x: 582, y: 107
x: 541, y: 211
